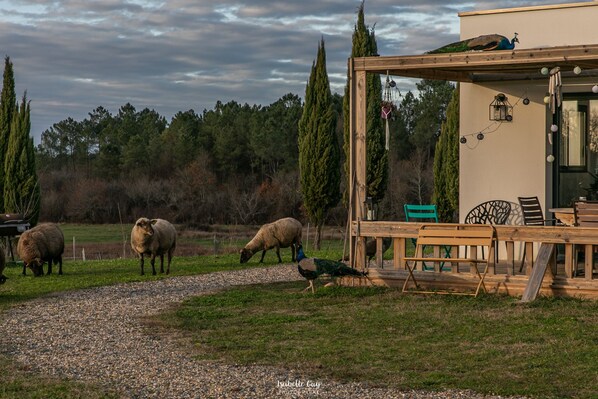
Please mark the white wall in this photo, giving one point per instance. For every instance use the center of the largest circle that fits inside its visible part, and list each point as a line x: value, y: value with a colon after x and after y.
x: 511, y: 161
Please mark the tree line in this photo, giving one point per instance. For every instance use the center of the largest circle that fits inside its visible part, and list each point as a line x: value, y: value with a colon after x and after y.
x: 235, y: 163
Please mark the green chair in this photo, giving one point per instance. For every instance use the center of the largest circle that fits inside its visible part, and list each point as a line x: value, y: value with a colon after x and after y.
x: 424, y: 213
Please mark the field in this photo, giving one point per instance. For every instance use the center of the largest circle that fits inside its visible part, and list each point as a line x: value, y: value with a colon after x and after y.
x: 492, y: 344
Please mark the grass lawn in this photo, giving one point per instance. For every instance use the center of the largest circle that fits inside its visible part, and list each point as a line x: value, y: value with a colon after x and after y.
x: 488, y: 344
x: 492, y: 344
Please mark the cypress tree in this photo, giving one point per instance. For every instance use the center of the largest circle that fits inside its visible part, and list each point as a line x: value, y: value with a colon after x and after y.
x: 319, y: 155
x: 21, y: 187
x: 363, y: 45
x: 8, y: 102
x: 446, y: 163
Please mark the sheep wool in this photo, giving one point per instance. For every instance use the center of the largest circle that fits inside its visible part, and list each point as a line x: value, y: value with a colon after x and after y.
x: 282, y: 233
x: 43, y: 243
x: 155, y: 237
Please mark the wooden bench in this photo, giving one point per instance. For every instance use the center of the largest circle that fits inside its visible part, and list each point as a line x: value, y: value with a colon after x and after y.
x: 467, y: 237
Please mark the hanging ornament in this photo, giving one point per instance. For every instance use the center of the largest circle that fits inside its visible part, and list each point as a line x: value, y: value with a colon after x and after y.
x: 554, y: 88
x: 388, y: 105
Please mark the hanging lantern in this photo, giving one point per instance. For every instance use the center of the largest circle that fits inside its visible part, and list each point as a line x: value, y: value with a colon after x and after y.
x: 371, y: 208
x: 500, y: 109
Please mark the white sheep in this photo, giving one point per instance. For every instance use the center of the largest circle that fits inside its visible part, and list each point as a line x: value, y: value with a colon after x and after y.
x: 153, y: 237
x: 43, y: 243
x: 282, y: 233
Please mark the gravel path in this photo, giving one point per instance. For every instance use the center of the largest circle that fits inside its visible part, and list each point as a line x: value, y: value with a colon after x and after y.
x: 97, y: 335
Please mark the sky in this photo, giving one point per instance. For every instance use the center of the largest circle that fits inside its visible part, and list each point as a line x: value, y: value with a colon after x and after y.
x: 72, y: 56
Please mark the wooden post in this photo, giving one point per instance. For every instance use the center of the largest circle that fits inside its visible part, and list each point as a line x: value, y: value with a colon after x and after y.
x: 357, y: 154
x: 545, y: 254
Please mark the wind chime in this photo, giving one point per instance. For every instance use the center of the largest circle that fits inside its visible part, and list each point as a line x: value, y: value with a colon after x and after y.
x: 389, y: 107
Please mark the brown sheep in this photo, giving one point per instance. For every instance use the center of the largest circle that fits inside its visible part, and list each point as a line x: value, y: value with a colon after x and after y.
x: 153, y: 237
x: 282, y: 233
x: 2, y: 264
x: 42, y: 243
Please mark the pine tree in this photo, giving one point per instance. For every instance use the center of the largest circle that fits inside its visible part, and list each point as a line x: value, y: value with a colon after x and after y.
x: 364, y: 44
x: 319, y: 155
x: 8, y: 101
x: 21, y: 187
x: 446, y: 163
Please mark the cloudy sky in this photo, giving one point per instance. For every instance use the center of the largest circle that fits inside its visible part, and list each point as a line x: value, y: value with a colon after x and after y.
x: 72, y: 56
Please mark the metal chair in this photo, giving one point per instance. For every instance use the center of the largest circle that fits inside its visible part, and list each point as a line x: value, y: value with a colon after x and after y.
x: 490, y: 212
x: 532, y: 213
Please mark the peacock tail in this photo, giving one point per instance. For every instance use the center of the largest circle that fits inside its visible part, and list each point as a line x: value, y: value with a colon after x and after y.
x: 334, y: 268
x: 483, y: 42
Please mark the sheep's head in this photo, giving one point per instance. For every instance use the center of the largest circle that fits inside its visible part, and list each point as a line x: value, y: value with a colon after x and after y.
x: 145, y: 225
x: 246, y: 254
x: 36, y: 266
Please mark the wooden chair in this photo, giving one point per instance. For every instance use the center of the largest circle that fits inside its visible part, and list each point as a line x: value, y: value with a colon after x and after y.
x: 425, y: 212
x: 452, y: 235
x: 586, y: 215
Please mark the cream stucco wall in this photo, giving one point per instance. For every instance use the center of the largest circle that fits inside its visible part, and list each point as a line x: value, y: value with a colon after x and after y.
x: 511, y: 161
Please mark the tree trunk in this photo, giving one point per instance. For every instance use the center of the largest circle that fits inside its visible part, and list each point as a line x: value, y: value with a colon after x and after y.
x: 318, y: 237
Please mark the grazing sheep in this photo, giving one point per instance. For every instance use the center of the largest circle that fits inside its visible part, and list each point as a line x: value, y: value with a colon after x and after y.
x: 2, y: 264
x: 282, y: 233
x: 43, y: 243
x: 153, y: 237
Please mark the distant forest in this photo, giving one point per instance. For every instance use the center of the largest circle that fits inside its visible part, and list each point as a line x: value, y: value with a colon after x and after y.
x: 234, y: 164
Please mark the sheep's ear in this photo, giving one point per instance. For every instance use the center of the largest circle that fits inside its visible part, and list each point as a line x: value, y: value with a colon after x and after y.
x: 154, y: 221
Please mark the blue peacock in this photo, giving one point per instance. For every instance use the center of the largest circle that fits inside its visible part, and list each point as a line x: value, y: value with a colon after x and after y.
x: 480, y: 43
x: 312, y: 268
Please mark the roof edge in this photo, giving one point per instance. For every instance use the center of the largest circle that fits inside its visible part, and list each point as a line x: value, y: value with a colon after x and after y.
x: 528, y: 8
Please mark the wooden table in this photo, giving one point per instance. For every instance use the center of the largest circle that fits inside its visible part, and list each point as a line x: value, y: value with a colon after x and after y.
x: 565, y: 215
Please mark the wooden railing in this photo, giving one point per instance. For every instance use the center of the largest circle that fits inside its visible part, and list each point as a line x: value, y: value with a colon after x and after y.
x: 510, y: 241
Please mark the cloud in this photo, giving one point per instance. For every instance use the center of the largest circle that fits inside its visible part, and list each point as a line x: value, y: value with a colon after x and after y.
x: 173, y: 55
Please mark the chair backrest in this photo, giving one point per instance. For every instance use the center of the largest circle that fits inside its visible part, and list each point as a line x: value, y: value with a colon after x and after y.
x: 531, y: 211
x: 454, y: 235
x: 489, y: 212
x: 586, y: 213
x: 415, y: 213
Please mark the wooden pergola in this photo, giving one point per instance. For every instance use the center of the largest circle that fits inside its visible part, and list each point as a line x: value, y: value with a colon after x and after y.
x: 471, y: 67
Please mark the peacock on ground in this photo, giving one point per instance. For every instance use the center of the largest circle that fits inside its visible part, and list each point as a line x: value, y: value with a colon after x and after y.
x: 483, y: 43
x: 312, y: 268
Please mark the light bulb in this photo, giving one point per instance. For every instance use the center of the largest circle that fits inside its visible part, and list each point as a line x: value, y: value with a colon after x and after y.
x: 547, y: 100
x: 554, y: 128
x: 550, y: 158
x: 577, y: 70
x: 480, y: 136
x: 544, y: 71
x: 463, y: 140
x: 595, y: 89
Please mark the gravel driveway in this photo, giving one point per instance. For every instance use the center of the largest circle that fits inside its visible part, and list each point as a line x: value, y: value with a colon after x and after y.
x: 97, y: 335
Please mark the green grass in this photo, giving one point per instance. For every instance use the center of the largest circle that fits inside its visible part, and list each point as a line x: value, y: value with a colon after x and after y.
x: 490, y: 344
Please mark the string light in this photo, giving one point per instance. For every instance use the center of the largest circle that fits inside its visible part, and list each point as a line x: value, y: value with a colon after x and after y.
x: 492, y: 127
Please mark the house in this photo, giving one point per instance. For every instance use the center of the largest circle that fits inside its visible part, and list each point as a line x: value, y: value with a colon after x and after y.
x: 546, y: 149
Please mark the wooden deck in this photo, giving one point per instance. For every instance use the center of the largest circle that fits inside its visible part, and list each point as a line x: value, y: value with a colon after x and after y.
x: 568, y: 273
